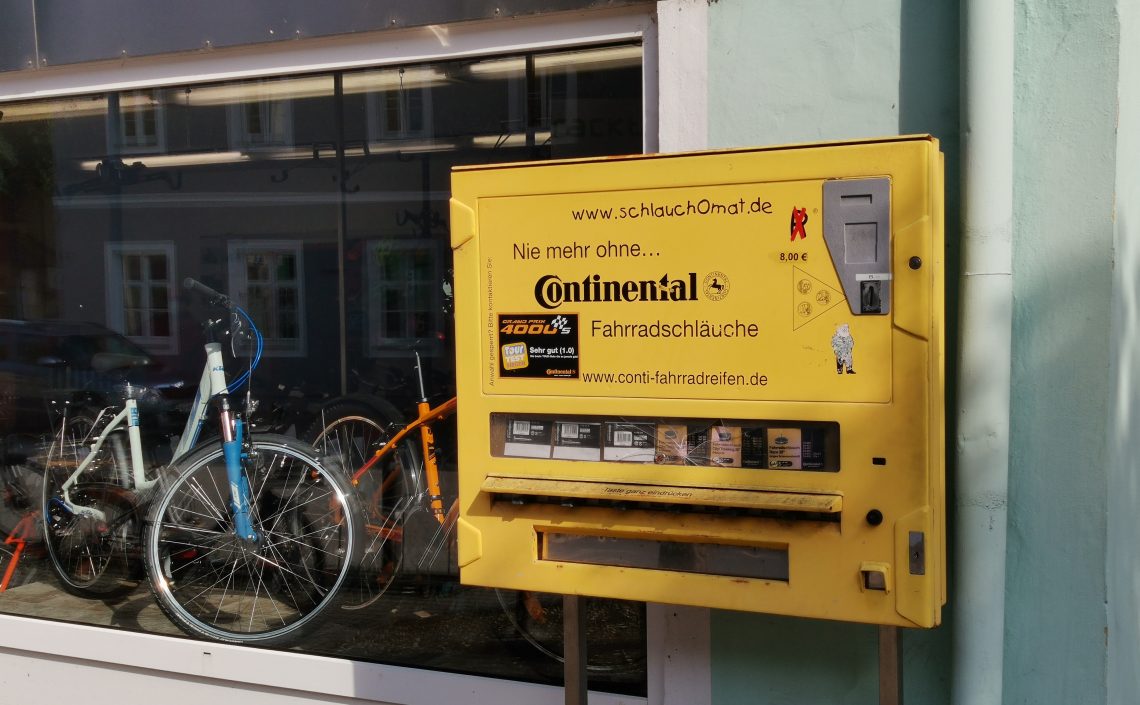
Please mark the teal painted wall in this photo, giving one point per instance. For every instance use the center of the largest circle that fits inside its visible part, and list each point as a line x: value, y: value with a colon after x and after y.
x: 1124, y: 383
x: 829, y: 69
x: 812, y: 70
x: 1065, y: 171
x: 763, y: 660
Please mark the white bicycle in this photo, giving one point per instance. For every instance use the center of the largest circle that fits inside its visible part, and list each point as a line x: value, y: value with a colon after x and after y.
x: 244, y: 539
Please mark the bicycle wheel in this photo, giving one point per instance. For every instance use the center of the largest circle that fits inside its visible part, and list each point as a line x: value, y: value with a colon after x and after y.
x: 615, y: 629
x: 214, y: 585
x: 388, y: 493
x: 21, y: 478
x: 91, y: 535
x: 20, y: 492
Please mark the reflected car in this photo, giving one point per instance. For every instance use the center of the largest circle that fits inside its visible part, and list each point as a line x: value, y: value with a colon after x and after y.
x: 45, y: 363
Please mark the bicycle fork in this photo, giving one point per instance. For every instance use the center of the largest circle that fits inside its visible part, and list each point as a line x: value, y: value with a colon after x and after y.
x: 232, y: 433
x: 431, y: 468
x: 233, y: 436
x: 427, y: 441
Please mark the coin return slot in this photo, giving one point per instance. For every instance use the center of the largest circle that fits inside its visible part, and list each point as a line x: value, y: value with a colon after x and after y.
x: 875, y: 576
x: 878, y: 461
x: 762, y: 563
x: 577, y: 494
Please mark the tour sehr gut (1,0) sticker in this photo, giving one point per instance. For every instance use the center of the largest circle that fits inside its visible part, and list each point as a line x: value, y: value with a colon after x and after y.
x: 543, y: 345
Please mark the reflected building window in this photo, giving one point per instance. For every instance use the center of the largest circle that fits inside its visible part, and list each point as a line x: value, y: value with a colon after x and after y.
x: 142, y: 125
x: 403, y: 295
x: 266, y: 278
x: 140, y: 294
x: 402, y: 109
x: 260, y: 120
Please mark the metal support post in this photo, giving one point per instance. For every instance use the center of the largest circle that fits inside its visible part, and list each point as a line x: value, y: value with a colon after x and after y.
x: 890, y: 666
x: 574, y: 650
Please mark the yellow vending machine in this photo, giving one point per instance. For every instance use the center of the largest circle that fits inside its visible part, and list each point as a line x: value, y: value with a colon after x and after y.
x: 711, y: 379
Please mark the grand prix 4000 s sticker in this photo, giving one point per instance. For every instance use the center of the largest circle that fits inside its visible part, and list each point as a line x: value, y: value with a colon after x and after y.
x: 538, y: 345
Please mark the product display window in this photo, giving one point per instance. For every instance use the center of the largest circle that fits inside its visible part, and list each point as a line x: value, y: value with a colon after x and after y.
x: 318, y: 204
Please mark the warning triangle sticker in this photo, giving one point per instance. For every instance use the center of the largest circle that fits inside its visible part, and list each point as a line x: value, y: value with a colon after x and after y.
x: 811, y: 298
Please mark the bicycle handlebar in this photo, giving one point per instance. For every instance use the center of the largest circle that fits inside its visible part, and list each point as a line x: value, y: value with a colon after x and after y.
x: 219, y: 299
x: 216, y: 297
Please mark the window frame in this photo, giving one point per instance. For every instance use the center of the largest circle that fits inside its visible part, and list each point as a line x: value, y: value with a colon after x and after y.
x: 133, y: 147
x: 238, y: 285
x: 376, y: 344
x: 379, y: 127
x: 277, y: 112
x: 116, y: 319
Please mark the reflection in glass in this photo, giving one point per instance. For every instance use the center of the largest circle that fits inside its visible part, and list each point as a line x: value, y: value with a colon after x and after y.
x: 141, y: 123
x: 333, y: 233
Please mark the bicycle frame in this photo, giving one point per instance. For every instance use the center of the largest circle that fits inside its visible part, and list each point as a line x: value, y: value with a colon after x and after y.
x: 213, y: 381
x: 130, y: 415
x: 19, y: 537
x: 426, y: 416
x: 212, y: 384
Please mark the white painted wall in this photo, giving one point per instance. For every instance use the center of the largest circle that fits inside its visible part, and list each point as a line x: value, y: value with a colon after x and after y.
x: 679, y: 668
x: 683, y: 54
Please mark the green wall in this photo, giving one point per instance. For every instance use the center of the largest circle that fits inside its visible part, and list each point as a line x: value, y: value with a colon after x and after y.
x: 1124, y: 383
x: 1065, y: 87
x: 829, y: 69
x: 823, y: 70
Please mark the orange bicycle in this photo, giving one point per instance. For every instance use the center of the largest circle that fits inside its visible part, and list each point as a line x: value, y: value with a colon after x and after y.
x: 393, y: 482
x: 397, y: 479
x: 21, y: 477
x: 23, y: 533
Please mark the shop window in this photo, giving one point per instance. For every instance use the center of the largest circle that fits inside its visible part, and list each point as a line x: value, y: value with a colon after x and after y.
x: 403, y: 282
x: 242, y: 187
x: 140, y: 294
x: 267, y: 279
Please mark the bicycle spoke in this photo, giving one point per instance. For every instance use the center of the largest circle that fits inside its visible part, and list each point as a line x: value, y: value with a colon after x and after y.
x: 261, y: 590
x: 210, y: 587
x: 196, y: 530
x: 196, y: 489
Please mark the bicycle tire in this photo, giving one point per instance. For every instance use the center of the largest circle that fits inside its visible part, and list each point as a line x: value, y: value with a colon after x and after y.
x: 91, y: 554
x: 615, y: 628
x: 215, y: 586
x: 21, y: 483
x: 388, y: 492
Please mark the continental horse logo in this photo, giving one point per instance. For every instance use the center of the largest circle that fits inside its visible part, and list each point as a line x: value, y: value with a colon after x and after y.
x: 716, y: 286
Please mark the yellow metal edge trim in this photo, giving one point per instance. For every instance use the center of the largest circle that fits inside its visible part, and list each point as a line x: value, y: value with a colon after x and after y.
x: 704, y: 496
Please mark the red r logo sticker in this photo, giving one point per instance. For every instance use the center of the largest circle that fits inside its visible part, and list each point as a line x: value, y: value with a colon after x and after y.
x: 799, y: 220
